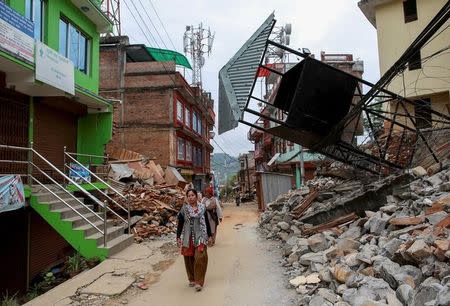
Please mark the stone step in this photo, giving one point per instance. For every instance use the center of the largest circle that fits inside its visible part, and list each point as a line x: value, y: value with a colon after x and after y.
x: 78, y: 221
x: 57, y: 204
x: 46, y: 197
x: 111, y: 233
x: 88, y: 229
x: 67, y: 212
x: 118, y: 244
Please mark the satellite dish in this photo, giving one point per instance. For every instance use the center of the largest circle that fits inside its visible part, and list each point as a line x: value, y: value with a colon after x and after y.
x: 287, y: 40
x: 288, y: 28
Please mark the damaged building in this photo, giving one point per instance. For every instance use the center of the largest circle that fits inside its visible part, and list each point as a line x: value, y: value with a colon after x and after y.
x: 157, y: 113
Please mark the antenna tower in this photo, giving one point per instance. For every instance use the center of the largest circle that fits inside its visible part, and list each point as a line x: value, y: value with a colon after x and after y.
x: 197, y: 42
x: 112, y: 10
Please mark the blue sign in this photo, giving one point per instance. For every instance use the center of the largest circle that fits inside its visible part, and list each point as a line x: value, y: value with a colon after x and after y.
x: 16, y: 20
x: 79, y: 174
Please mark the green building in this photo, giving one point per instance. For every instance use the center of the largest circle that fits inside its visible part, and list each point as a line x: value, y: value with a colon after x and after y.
x: 49, y: 79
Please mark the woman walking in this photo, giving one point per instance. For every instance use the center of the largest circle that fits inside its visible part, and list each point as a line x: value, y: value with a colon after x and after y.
x: 193, y: 235
x: 214, y: 212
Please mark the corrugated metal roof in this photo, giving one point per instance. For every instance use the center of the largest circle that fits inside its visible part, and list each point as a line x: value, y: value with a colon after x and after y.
x: 237, y: 76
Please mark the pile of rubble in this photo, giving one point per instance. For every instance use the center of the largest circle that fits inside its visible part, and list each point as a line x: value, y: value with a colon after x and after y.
x: 350, y: 243
x: 154, y: 209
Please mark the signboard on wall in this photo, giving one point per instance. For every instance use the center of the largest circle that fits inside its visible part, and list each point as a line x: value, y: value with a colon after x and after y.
x: 16, y: 33
x: 12, y: 195
x: 54, y: 69
x: 79, y: 174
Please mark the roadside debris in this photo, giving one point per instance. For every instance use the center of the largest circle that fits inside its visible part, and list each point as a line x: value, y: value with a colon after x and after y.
x: 351, y: 243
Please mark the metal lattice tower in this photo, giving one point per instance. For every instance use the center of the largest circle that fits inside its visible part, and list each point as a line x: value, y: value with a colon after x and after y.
x: 112, y: 10
x: 197, y: 42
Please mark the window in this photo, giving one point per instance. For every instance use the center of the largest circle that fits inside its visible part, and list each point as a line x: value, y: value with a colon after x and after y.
x: 194, y: 121
x: 181, y: 147
x: 188, y: 151
x: 415, y: 62
x: 34, y: 10
x: 198, y: 157
x: 410, y: 10
x: 187, y: 117
x: 179, y: 111
x: 74, y: 45
x: 422, y: 110
x: 199, y: 125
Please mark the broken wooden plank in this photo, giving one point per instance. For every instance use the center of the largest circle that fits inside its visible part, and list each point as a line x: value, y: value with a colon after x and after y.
x: 301, y: 208
x: 329, y: 225
x: 406, y: 221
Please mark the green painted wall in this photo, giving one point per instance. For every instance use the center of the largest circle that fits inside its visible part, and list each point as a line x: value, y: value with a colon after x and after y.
x: 54, y: 10
x: 87, y: 248
x: 94, y: 132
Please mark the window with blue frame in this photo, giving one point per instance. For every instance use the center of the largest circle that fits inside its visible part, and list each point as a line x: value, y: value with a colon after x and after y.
x: 35, y: 11
x: 74, y: 45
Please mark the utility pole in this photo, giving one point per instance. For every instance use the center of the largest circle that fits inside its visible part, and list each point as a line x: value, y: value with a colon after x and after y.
x: 197, y: 42
x: 248, y: 175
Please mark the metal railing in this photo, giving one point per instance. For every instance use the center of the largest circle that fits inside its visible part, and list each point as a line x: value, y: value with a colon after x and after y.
x: 32, y: 153
x: 126, y: 210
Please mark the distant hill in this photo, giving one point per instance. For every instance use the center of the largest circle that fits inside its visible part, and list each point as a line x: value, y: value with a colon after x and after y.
x: 224, y: 165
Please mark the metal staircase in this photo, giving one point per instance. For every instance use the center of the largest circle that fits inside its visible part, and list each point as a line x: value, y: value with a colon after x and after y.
x: 89, y: 228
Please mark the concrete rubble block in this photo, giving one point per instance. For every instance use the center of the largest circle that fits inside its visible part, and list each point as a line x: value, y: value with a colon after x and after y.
x: 283, y: 225
x: 418, y: 171
x: 342, y: 272
x: 308, y: 258
x: 318, y: 242
x: 427, y: 291
x: 292, y: 258
x: 435, y: 180
x: 404, y: 294
x: 443, y: 297
x: 109, y: 285
x: 391, y: 247
x: 373, y: 303
x: 351, y: 260
x: 445, y: 187
x: 342, y: 303
x: 419, y: 250
x: 329, y: 295
x: 436, y: 217
x: 303, y: 242
x: 441, y: 269
x: 297, y: 281
x: 313, y: 278
x: 377, y: 223
x: 304, y: 300
x: 292, y: 241
x: 368, y: 271
x: 351, y: 233
x: 391, y: 208
x: 283, y: 235
x: 302, y: 290
x: 317, y: 300
x: 354, y: 280
x: 392, y: 300
x: 325, y: 275
x: 347, y: 244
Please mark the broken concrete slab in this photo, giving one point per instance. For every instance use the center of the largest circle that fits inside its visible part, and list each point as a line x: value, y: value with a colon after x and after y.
x: 109, y: 285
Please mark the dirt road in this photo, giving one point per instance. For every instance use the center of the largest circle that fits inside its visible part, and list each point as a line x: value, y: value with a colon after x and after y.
x: 242, y: 270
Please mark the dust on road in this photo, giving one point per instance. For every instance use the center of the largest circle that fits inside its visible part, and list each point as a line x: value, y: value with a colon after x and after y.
x: 243, y: 270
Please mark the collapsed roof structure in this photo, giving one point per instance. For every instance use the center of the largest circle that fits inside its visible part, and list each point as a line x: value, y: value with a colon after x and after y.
x: 318, y: 101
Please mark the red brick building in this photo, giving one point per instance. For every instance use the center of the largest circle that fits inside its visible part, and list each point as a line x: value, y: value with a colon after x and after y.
x: 157, y: 113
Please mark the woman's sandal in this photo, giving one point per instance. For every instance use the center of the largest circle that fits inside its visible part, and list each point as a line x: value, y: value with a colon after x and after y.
x: 198, y: 288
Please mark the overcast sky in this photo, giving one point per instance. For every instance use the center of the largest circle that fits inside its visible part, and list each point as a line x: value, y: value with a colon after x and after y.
x: 333, y: 26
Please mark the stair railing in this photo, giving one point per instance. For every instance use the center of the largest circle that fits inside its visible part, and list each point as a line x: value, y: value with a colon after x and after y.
x: 31, y: 165
x: 91, y: 173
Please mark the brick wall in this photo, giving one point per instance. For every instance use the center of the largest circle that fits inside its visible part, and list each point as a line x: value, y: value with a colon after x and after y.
x: 109, y: 69
x: 154, y: 143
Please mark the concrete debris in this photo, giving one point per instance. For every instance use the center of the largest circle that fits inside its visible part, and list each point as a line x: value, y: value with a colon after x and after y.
x: 351, y: 242
x: 157, y: 206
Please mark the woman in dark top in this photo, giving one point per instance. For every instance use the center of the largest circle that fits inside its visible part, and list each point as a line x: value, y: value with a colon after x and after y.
x: 193, y: 235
